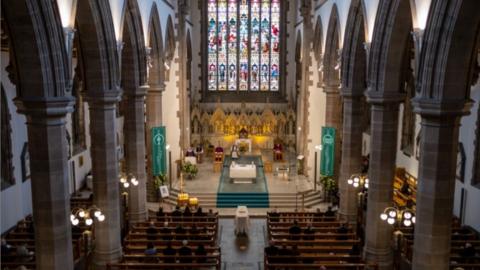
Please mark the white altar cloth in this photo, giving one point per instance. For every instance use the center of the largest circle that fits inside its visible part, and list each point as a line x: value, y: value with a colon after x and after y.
x: 243, y: 171
x: 242, y: 220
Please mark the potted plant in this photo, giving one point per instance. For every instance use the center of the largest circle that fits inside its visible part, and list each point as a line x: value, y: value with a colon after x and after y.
x: 158, y: 181
x: 329, y: 187
x: 190, y: 170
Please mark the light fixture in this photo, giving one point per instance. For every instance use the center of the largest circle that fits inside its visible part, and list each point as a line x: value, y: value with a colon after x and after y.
x: 128, y: 179
x: 401, y: 217
x: 87, y: 215
x: 358, y: 180
x: 167, y: 146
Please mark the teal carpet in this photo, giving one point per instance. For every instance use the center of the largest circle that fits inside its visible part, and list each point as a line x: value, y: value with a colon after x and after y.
x: 253, y: 195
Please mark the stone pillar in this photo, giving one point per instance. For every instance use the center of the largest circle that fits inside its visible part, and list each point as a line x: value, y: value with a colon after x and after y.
x: 134, y: 129
x: 383, y: 151
x: 333, y: 118
x: 103, y: 127
x: 435, y: 193
x: 49, y: 179
x: 351, y: 155
x: 154, y: 118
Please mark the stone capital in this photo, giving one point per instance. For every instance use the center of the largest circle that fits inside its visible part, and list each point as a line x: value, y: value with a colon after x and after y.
x: 384, y: 97
x: 157, y: 88
x: 41, y: 107
x: 139, y: 92
x: 351, y: 93
x: 108, y: 97
x: 331, y: 89
x: 436, y: 108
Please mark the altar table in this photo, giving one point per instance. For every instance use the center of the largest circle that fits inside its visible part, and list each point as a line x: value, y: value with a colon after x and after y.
x: 247, y: 141
x: 243, y: 171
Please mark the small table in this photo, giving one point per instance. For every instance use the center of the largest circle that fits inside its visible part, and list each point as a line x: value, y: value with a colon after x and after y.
x: 242, y: 220
x: 247, y: 141
x: 284, y: 170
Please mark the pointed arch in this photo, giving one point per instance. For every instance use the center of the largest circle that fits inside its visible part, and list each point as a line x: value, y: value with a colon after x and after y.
x: 169, y: 40
x: 332, y: 48
x: 134, y: 73
x: 318, y: 37
x: 98, y: 46
x: 298, y: 47
x: 8, y: 177
x: 155, y: 41
x: 354, y: 61
x: 393, y: 25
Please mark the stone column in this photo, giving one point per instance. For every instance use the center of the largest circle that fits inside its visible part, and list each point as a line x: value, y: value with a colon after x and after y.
x: 49, y: 179
x: 383, y: 149
x: 103, y: 127
x: 435, y: 193
x: 351, y: 154
x: 154, y: 118
x: 333, y: 118
x: 134, y: 129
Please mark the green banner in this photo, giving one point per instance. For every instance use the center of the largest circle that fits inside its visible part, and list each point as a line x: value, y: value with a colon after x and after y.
x: 159, y: 151
x: 328, y: 151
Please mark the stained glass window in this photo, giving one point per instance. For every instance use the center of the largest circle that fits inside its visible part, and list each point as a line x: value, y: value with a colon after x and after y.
x: 243, y: 45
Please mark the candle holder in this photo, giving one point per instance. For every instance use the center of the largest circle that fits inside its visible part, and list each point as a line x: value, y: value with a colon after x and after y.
x: 87, y: 215
x: 395, y: 216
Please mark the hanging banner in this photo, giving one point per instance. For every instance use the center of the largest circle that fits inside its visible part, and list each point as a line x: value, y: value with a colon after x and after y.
x: 159, y: 151
x: 328, y: 151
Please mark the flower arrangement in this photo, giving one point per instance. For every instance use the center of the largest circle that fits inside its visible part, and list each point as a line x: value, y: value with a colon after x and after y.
x: 190, y: 170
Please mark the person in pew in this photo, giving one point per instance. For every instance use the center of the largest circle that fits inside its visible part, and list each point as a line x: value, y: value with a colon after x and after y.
x: 165, y: 231
x: 211, y: 215
x: 194, y: 232
x: 177, y: 212
x: 355, y: 251
x: 199, y: 212
x: 468, y: 251
x: 6, y: 248
x: 405, y: 189
x: 185, y: 250
x: 150, y: 250
x: 318, y: 215
x: 169, y: 251
x: 274, y: 215
x: 295, y: 230
x: 343, y: 229
x: 200, y: 251
x: 151, y: 231
x: 329, y: 212
x: 187, y: 212
x: 180, y: 232
x: 160, y: 213
x: 24, y: 254
x: 309, y: 232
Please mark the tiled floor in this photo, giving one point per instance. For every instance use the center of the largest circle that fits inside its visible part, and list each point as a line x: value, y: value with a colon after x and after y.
x: 242, y: 253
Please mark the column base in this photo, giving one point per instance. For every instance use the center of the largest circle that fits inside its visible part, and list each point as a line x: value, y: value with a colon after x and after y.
x: 383, y: 258
x: 100, y: 259
x: 136, y: 217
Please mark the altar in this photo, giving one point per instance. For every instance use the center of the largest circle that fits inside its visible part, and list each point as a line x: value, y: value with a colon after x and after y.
x: 243, y: 173
x: 238, y: 142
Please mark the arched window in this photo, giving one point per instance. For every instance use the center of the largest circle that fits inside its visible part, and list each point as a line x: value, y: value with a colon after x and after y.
x: 243, y: 45
x: 7, y: 165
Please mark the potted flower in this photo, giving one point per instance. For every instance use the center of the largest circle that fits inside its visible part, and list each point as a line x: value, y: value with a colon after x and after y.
x: 190, y: 170
x: 158, y: 181
x: 329, y: 187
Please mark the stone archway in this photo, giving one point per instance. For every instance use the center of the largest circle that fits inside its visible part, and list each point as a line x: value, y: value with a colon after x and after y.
x: 42, y: 77
x: 354, y: 65
x: 100, y: 59
x: 331, y: 84
x: 450, y: 49
x: 393, y: 25
x: 134, y: 79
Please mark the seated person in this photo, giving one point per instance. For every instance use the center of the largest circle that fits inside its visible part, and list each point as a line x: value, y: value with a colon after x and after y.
x: 194, y: 232
x: 295, y: 230
x: 218, y: 154
x: 24, y: 254
x: 151, y: 231
x: 187, y: 212
x: 355, y: 251
x: 165, y: 231
x: 150, y: 250
x: 234, y: 152
x: 200, y: 251
x: 169, y: 251
x: 160, y: 213
x: 274, y: 215
x: 219, y: 149
x: 468, y: 250
x: 278, y: 151
x: 185, y: 250
x: 190, y: 152
x: 405, y: 189
x: 180, y: 232
x: 318, y: 215
x: 343, y: 229
x: 199, y: 212
x: 309, y: 232
x: 6, y: 248
x: 271, y: 250
x: 329, y: 212
x: 177, y: 212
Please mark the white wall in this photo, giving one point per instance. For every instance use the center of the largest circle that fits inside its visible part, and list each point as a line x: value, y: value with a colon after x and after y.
x: 17, y: 199
x: 410, y: 163
x: 467, y: 137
